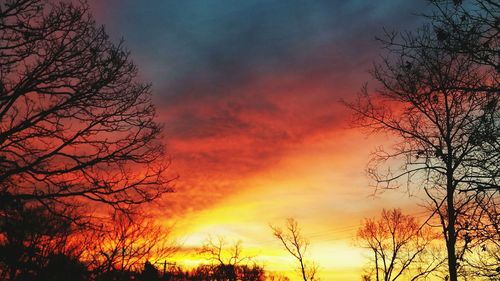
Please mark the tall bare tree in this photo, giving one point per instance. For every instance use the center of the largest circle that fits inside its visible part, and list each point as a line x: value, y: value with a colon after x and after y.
x: 440, y: 106
x: 401, y: 247
x: 296, y: 244
x: 75, y: 124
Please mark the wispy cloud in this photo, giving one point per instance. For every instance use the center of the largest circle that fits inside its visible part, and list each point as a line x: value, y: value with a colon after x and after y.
x: 248, y: 92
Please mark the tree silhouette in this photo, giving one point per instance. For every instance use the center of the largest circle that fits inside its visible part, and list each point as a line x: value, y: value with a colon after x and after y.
x: 149, y: 273
x: 277, y: 277
x: 227, y: 262
x: 33, y: 240
x: 61, y: 267
x: 401, y: 248
x: 469, y: 28
x: 76, y: 130
x: 441, y: 107
x: 480, y: 231
x: 125, y: 243
x: 251, y: 273
x: 76, y: 126
x: 296, y: 244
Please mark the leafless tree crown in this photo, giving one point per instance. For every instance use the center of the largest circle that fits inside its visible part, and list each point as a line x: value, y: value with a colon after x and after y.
x: 442, y: 103
x: 296, y: 245
x: 74, y: 122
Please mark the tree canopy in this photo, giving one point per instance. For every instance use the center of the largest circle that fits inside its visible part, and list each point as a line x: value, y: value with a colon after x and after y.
x: 76, y: 125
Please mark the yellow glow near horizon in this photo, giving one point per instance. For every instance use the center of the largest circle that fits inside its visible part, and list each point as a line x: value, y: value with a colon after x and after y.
x: 327, y: 197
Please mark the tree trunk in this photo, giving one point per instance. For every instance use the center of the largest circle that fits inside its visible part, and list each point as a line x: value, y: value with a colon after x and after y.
x: 452, y: 236
x: 303, y: 270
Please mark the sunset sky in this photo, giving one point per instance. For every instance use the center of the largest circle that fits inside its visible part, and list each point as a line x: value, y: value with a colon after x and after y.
x: 249, y: 93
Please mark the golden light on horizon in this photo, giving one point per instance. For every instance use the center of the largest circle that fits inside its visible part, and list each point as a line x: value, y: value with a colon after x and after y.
x: 301, y: 185
x: 242, y: 140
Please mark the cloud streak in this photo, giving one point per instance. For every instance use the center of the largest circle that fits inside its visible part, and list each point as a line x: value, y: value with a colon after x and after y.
x: 249, y: 91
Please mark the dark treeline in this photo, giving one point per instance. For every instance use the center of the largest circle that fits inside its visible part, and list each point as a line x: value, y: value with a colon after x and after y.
x: 201, y: 273
x: 39, y: 245
x: 60, y: 267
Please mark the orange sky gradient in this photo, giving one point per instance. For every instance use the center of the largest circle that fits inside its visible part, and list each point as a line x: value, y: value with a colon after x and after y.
x: 272, y: 140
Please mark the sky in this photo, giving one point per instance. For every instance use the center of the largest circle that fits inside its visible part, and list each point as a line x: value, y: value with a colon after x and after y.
x: 249, y: 94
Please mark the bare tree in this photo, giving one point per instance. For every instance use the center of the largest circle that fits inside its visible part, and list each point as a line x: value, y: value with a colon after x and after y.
x: 75, y: 125
x: 125, y: 243
x: 441, y: 107
x: 296, y: 244
x: 228, y: 262
x: 401, y: 247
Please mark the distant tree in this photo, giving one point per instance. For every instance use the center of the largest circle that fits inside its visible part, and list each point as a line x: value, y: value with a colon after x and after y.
x: 401, y: 247
x: 296, y: 244
x: 76, y: 126
x: 225, y: 259
x: 228, y: 262
x: 115, y: 275
x: 149, y: 273
x: 444, y: 109
x: 277, y: 277
x: 203, y: 272
x: 252, y: 272
x: 126, y: 242
x: 218, y: 272
x: 175, y: 273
